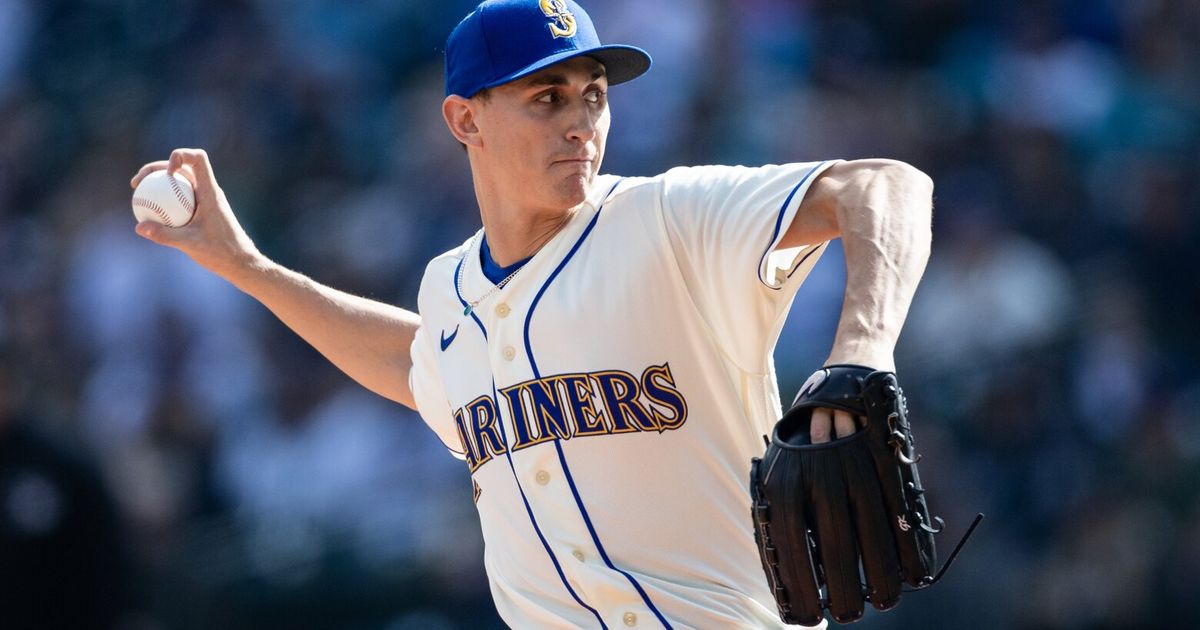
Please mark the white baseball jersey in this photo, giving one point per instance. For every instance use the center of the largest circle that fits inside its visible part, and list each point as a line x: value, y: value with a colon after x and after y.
x: 609, y: 398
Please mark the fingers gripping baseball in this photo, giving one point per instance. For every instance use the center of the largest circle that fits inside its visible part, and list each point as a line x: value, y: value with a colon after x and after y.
x: 146, y: 170
x: 213, y: 238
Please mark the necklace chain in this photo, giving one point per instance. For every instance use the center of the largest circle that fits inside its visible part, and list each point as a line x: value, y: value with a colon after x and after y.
x: 471, y: 304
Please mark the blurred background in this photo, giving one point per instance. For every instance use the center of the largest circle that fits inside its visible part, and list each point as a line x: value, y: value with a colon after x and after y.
x: 172, y: 457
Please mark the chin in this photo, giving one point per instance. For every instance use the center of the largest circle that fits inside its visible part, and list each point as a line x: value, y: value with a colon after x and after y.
x: 573, y: 190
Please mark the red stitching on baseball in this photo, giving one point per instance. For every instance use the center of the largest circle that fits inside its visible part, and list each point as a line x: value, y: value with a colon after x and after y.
x: 153, y: 207
x: 183, y: 200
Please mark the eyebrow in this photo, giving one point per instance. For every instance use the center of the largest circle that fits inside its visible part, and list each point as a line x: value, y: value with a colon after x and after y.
x: 555, y: 78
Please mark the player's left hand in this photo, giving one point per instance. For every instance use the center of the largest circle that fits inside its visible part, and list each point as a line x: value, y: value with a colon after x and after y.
x: 831, y: 424
x: 847, y: 523
x: 842, y: 423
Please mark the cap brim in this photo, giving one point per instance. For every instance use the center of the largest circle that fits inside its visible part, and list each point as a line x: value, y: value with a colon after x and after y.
x: 621, y: 63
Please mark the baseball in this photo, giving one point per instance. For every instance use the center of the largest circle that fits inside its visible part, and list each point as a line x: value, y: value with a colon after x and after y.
x: 163, y: 198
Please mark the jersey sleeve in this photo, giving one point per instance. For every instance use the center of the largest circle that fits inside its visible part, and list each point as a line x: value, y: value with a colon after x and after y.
x: 426, y: 384
x: 724, y: 224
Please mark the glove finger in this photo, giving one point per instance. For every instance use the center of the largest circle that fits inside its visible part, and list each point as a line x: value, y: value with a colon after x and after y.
x: 781, y: 533
x: 914, y: 545
x: 905, y: 533
x: 802, y: 571
x: 876, y: 543
x: 835, y: 537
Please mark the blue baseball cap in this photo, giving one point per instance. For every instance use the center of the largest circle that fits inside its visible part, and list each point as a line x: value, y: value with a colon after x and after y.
x: 504, y: 40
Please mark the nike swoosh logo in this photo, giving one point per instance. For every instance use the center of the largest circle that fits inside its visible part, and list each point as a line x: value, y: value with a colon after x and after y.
x: 446, y: 342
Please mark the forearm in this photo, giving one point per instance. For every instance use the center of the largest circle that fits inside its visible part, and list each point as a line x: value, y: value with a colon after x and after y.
x: 368, y: 340
x: 883, y: 215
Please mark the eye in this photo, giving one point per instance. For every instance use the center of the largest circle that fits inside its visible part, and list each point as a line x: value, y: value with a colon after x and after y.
x: 548, y: 97
x: 595, y: 96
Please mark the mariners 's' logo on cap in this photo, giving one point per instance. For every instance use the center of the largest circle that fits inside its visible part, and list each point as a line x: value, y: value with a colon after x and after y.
x: 562, y: 22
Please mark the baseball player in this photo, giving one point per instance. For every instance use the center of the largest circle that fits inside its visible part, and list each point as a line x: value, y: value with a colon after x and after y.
x: 599, y: 353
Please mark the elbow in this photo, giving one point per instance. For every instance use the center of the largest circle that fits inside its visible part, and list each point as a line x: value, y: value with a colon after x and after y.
x: 909, y: 194
x: 906, y: 186
x: 921, y: 185
x: 911, y: 185
x: 878, y: 197
x: 912, y: 195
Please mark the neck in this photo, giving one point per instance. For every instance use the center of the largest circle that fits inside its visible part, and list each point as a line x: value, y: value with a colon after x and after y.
x: 515, y: 232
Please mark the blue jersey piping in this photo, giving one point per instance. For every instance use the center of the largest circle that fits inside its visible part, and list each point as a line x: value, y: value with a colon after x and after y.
x: 508, y: 455
x: 558, y: 443
x: 779, y: 224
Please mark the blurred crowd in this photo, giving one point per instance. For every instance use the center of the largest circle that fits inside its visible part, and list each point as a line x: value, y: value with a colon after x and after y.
x: 234, y: 479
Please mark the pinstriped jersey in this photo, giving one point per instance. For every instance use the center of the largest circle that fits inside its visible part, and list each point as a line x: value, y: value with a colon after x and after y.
x: 608, y: 399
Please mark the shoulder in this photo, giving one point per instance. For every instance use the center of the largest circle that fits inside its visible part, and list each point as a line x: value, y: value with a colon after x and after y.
x: 607, y: 189
x: 717, y: 178
x: 439, y: 276
x: 735, y: 185
x: 679, y: 175
x: 446, y: 262
x: 614, y: 189
x: 716, y: 175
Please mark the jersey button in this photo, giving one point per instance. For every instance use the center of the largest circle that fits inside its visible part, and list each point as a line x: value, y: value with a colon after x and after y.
x: 630, y: 619
x: 542, y: 477
x: 578, y: 555
x: 509, y: 353
x: 503, y: 310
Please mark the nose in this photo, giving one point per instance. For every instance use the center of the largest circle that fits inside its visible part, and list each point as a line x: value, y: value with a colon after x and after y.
x: 584, y: 121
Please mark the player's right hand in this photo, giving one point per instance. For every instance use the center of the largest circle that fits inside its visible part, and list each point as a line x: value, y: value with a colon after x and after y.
x: 213, y: 238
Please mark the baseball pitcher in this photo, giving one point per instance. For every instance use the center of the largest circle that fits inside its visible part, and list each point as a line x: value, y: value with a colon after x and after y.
x: 599, y: 353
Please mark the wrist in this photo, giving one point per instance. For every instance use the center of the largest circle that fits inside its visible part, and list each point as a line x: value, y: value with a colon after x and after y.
x: 242, y: 270
x: 878, y: 355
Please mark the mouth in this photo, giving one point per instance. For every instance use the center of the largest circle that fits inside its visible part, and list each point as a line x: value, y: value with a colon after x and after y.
x: 574, y: 160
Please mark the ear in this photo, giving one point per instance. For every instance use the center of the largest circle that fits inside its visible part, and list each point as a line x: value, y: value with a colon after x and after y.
x: 460, y: 118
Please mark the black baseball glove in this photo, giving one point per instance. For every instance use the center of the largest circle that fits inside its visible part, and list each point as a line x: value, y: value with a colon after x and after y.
x: 845, y: 521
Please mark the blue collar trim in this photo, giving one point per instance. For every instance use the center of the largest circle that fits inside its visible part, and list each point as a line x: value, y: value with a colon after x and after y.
x: 493, y: 271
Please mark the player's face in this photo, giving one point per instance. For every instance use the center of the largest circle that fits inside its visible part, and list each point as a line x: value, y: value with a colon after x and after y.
x: 543, y: 135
